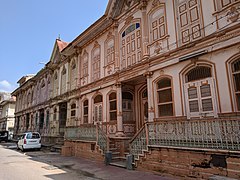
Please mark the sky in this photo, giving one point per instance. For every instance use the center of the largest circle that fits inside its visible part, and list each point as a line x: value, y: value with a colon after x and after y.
x: 29, y: 28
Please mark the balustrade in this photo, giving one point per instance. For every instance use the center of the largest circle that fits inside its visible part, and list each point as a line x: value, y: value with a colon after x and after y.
x: 221, y: 134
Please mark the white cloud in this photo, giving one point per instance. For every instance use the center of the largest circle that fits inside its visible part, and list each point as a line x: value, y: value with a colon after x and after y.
x: 5, y: 86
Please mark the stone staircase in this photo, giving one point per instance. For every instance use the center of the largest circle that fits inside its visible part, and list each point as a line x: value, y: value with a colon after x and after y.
x: 57, y: 147
x: 119, y: 153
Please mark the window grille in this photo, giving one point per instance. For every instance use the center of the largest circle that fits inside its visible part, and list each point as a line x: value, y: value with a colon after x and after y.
x: 198, y: 73
x: 98, y: 99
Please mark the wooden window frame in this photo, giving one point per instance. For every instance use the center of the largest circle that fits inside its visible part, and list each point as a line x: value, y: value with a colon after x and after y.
x: 112, y: 110
x: 159, y: 90
x: 233, y: 74
x: 73, y: 109
x: 85, y: 113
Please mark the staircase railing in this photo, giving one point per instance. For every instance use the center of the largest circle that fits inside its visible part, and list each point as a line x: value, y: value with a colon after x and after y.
x: 102, y: 140
x: 139, y: 142
x: 221, y: 134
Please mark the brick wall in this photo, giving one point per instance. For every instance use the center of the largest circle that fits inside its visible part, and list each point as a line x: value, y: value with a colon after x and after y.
x: 191, y: 163
x: 83, y: 149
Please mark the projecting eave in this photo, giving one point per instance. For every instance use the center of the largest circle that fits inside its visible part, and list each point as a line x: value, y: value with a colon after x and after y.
x: 88, y: 35
x: 20, y: 88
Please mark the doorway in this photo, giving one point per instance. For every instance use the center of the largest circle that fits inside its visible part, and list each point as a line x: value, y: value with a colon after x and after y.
x: 62, y: 117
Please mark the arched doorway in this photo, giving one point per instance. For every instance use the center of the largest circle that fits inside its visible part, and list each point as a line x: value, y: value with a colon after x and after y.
x: 143, y: 111
x: 97, y: 108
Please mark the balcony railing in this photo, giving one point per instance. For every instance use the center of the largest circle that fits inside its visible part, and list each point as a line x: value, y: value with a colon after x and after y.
x: 84, y: 132
x: 88, y: 132
x: 221, y: 134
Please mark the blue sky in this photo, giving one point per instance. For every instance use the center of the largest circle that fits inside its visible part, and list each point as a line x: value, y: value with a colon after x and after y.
x: 29, y: 28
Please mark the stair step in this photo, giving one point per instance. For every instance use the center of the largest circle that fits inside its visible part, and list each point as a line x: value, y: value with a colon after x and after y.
x: 119, y: 158
x: 112, y: 149
x: 121, y: 164
x: 115, y: 153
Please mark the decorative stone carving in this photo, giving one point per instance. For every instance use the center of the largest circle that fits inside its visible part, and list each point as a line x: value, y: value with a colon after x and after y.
x: 112, y: 129
x: 155, y: 3
x: 233, y: 14
x: 158, y: 47
x: 128, y: 20
x: 109, y: 70
x: 161, y: 73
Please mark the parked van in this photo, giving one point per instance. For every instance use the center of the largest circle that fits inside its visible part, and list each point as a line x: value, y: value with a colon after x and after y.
x: 29, y: 140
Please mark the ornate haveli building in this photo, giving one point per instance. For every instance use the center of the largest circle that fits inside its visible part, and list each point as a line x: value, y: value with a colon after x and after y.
x: 157, y: 79
x: 7, y: 110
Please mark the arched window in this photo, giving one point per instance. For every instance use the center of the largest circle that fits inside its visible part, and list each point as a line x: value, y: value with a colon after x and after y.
x: 131, y: 45
x: 98, y: 108
x: 200, y: 72
x: 85, y: 64
x: 98, y: 99
x: 113, y: 106
x: 63, y: 80
x: 55, y: 114
x: 47, y: 118
x: 96, y: 64
x: 236, y: 81
x: 73, y: 75
x: 85, y: 111
x: 55, y: 88
x: 109, y: 51
x: 165, y: 100
x: 200, y: 92
x: 158, y: 24
x: 73, y: 110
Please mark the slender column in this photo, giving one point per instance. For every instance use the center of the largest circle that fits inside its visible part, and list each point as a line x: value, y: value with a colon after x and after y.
x: 68, y: 75
x: 117, y: 59
x: 145, y: 29
x: 150, y: 97
x: 119, y: 111
x: 78, y: 63
x: 78, y: 115
x: 59, y: 81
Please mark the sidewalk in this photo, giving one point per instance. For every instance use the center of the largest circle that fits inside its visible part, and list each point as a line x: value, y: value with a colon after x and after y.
x: 96, y: 170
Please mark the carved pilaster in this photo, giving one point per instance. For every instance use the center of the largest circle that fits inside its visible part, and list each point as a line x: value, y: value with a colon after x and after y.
x: 145, y: 29
x: 117, y: 59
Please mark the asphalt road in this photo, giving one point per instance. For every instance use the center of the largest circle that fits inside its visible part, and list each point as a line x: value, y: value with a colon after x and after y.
x: 41, y: 165
x: 29, y: 166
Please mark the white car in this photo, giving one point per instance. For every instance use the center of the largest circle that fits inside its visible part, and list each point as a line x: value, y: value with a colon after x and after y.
x: 29, y: 140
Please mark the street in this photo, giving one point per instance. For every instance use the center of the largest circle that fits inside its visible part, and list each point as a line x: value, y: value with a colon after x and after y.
x: 41, y: 165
